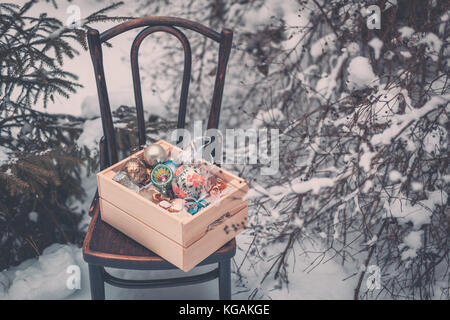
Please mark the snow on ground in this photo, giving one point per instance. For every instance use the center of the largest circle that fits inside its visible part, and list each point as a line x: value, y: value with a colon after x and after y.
x: 43, y: 278
x: 48, y: 276
x: 51, y: 277
x: 312, y: 275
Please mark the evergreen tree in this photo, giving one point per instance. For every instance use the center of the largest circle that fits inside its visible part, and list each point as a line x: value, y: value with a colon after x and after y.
x: 39, y: 163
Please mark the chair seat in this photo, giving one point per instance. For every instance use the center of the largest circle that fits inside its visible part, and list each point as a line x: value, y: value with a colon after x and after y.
x: 108, y: 247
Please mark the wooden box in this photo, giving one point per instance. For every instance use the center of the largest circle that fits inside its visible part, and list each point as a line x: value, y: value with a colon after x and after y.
x: 181, y: 238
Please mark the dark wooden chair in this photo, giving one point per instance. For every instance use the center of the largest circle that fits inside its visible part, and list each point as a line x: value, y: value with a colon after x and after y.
x: 105, y: 246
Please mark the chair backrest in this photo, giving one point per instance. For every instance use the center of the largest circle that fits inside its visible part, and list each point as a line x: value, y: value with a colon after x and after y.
x: 156, y: 24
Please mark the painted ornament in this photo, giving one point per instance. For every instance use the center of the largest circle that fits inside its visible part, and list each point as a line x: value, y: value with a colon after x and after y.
x: 162, y: 179
x: 154, y: 154
x: 188, y: 182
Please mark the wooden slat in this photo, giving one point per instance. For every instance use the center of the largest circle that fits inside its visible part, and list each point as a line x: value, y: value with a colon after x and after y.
x: 141, y: 208
x: 160, y: 21
x: 183, y: 258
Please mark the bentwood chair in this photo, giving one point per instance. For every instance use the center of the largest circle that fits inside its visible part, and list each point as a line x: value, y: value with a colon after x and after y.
x: 105, y: 246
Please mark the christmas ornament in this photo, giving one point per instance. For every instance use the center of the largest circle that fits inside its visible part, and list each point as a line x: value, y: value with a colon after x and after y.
x: 218, y: 187
x: 154, y: 154
x: 136, y: 170
x: 162, y: 179
x: 147, y: 182
x: 192, y: 206
x: 165, y: 204
x: 148, y: 193
x: 158, y: 197
x: 171, y: 164
x: 177, y: 205
x: 202, y: 203
x: 123, y: 178
x: 188, y: 182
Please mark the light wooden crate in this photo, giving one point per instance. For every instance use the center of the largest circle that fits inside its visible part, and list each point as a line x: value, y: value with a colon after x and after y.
x: 182, y: 239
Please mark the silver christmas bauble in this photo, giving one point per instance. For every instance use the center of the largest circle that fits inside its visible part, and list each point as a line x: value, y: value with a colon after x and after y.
x: 154, y: 154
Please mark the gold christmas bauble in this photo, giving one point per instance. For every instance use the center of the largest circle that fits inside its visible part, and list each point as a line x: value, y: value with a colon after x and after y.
x: 136, y: 170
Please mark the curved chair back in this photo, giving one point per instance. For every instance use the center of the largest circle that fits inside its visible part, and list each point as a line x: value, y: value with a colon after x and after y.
x: 169, y: 25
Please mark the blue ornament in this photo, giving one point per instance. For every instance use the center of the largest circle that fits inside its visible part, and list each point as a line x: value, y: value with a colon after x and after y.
x: 171, y: 164
x: 192, y: 206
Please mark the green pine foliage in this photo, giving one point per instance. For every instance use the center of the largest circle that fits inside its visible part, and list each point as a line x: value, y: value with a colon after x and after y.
x: 40, y: 166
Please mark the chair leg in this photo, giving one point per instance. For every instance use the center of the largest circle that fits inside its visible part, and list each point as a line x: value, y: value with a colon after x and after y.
x: 97, y: 282
x: 225, y: 279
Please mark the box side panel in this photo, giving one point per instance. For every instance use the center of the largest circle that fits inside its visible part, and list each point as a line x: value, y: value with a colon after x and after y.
x: 140, y: 208
x: 195, y: 227
x: 214, y: 239
x: 194, y: 231
x: 145, y: 235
